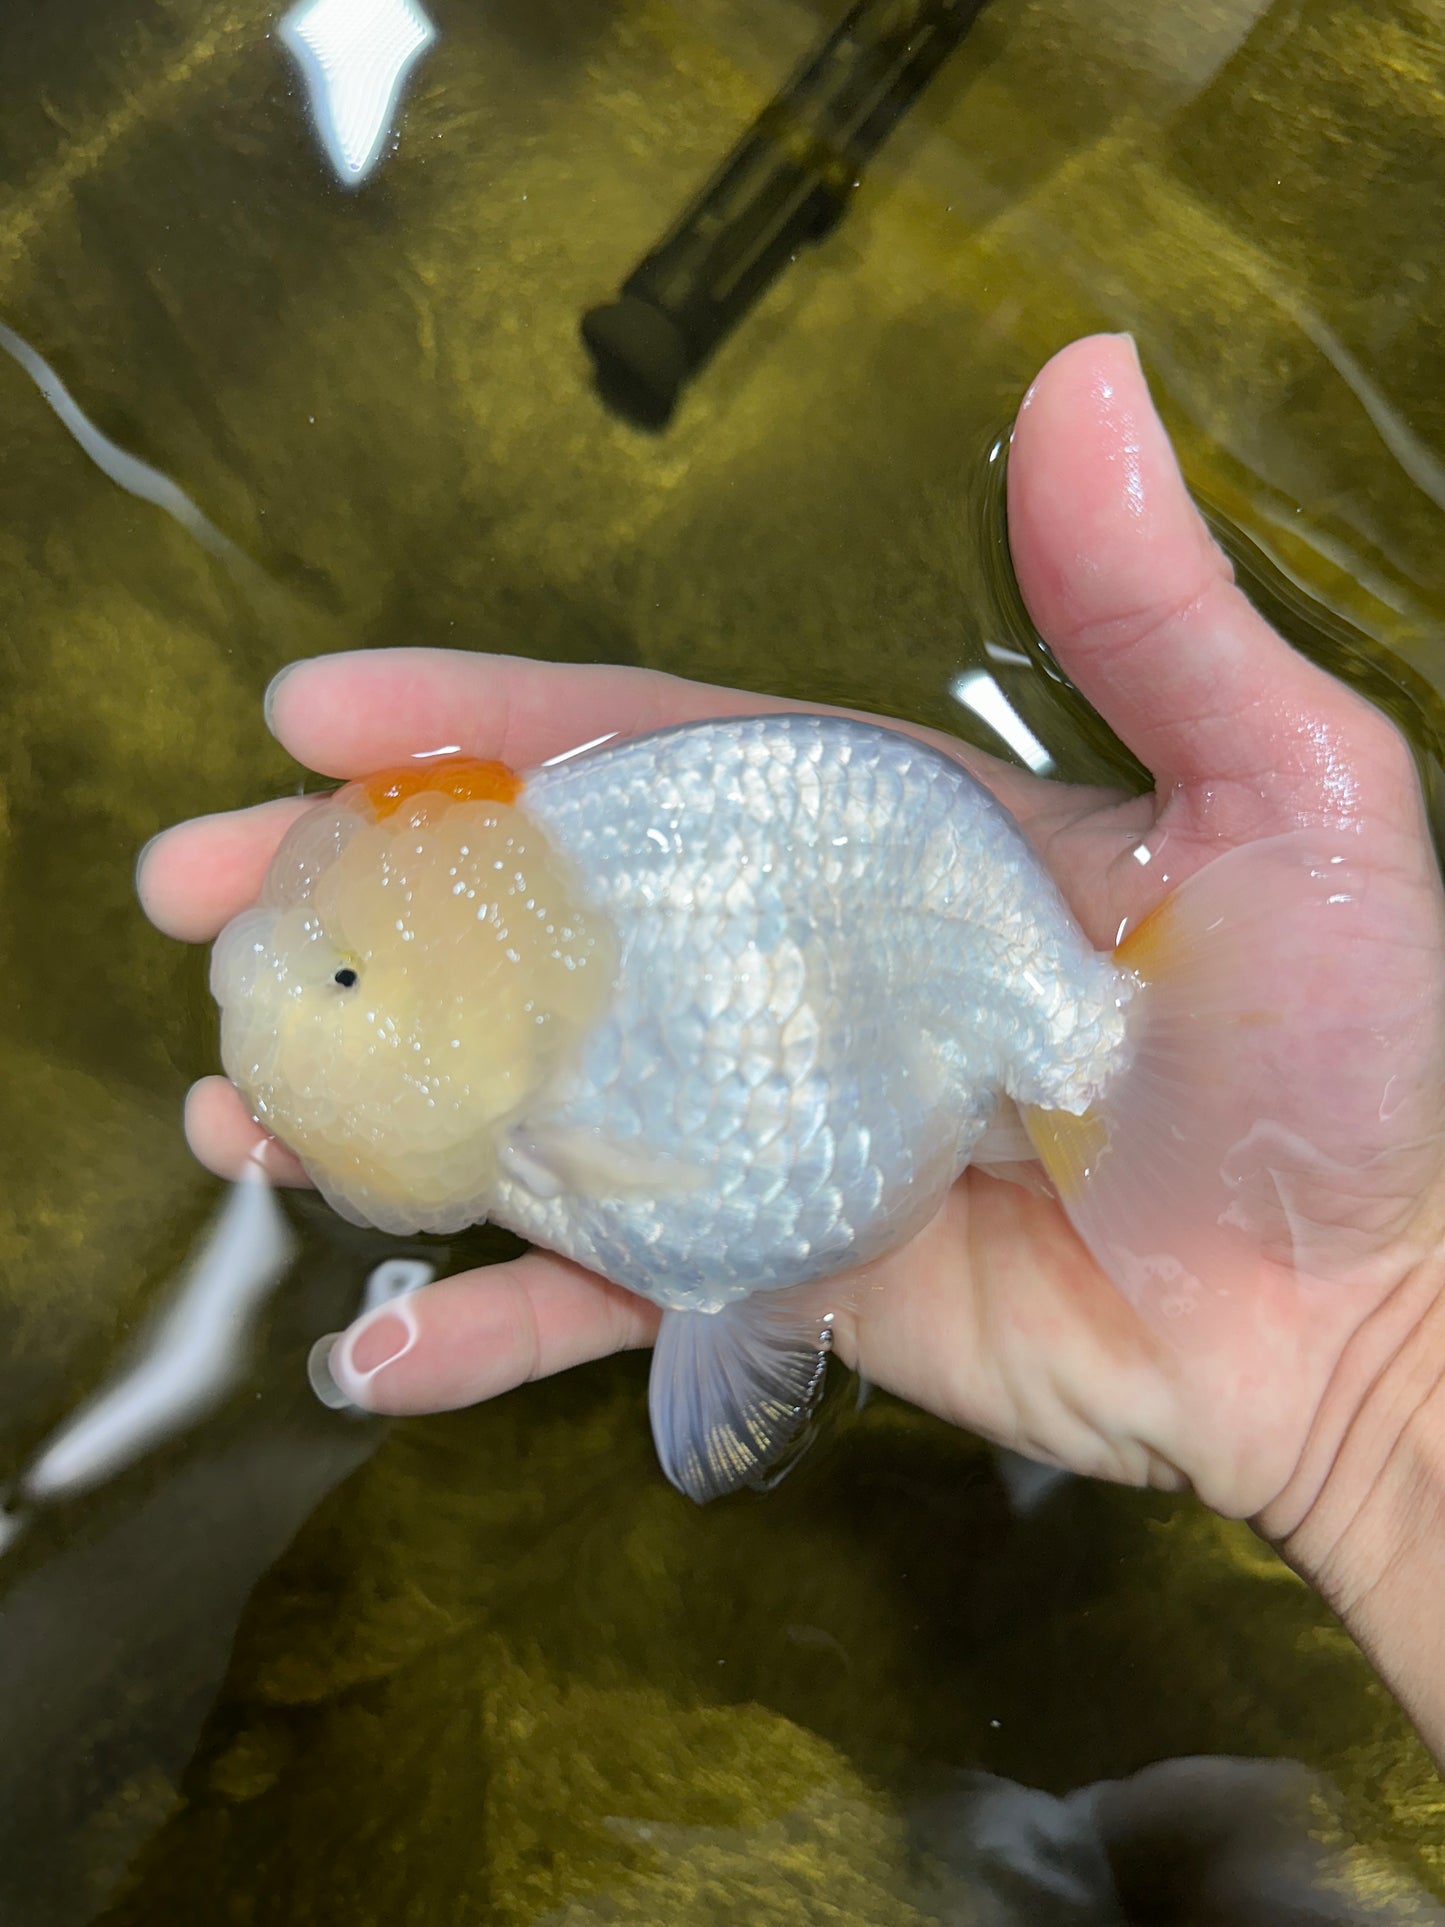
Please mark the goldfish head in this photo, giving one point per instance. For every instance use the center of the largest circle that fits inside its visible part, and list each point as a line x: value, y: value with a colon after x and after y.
x: 420, y: 968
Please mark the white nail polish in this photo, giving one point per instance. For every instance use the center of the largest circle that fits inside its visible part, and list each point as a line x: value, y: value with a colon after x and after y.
x: 318, y: 1372
x: 351, y: 1383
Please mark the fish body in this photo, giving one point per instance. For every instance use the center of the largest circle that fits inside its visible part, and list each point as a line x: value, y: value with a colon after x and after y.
x: 725, y: 1010
x: 837, y: 953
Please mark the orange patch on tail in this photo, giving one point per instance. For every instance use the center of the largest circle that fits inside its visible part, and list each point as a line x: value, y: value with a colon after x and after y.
x: 1069, y: 1147
x: 1153, y: 950
x: 467, y: 779
x: 1145, y: 950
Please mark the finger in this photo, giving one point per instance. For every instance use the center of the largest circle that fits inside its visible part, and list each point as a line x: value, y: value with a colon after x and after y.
x: 192, y: 879
x: 474, y: 1336
x: 351, y: 713
x: 225, y: 1137
x: 1126, y: 584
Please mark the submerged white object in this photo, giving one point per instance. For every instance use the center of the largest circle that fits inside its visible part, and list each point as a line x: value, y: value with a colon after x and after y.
x: 394, y: 1278
x: 127, y: 471
x: 354, y: 56
x: 189, y: 1359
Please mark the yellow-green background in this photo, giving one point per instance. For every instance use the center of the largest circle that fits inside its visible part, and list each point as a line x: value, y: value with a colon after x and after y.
x: 294, y: 1668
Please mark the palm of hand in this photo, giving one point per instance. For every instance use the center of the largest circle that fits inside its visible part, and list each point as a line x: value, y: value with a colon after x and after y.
x: 998, y: 1318
x: 995, y: 1316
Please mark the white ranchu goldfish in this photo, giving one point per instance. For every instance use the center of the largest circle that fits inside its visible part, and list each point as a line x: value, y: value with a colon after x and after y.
x: 724, y: 1010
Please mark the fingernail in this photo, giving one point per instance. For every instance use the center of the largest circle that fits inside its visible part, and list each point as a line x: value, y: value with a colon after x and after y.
x: 1125, y: 336
x: 268, y: 701
x: 318, y: 1371
x: 352, y: 1360
x: 144, y: 852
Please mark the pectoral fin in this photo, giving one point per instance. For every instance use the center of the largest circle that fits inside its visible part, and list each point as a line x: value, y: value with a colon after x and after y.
x: 732, y: 1391
x: 549, y: 1162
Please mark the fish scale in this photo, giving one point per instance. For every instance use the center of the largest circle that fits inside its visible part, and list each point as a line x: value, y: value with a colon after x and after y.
x: 847, y: 950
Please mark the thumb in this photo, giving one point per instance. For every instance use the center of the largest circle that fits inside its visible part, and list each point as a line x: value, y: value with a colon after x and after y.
x: 1138, y: 603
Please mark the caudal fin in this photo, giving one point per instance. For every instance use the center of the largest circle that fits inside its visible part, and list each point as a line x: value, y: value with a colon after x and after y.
x: 732, y: 1391
x: 1258, y: 1115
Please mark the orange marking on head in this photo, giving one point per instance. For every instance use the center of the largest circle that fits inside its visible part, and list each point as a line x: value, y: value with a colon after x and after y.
x: 467, y: 779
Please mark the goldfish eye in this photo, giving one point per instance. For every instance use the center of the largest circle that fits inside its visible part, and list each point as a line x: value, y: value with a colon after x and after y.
x: 346, y: 977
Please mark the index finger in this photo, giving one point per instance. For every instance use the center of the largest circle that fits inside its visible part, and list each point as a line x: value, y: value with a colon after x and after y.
x: 348, y: 714
x: 355, y: 712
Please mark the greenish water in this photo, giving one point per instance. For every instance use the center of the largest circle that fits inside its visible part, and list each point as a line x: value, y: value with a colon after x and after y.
x: 291, y: 1668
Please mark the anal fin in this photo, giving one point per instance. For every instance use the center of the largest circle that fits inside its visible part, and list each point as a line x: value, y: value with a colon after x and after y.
x: 732, y: 1391
x: 1008, y: 1151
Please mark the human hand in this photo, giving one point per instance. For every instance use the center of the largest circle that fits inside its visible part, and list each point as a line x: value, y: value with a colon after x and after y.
x: 995, y: 1316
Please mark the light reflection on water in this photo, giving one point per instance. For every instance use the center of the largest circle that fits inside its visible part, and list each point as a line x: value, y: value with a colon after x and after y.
x: 354, y: 56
